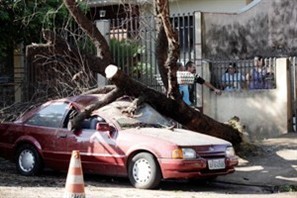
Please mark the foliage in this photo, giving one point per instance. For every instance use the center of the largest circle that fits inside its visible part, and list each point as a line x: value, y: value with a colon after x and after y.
x: 124, y: 51
x: 22, y: 21
x: 287, y: 188
x: 128, y: 56
x: 235, y: 123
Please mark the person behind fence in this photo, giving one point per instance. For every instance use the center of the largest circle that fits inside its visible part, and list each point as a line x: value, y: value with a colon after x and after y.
x: 232, y: 80
x: 259, y: 77
x: 182, y: 84
x: 191, y: 67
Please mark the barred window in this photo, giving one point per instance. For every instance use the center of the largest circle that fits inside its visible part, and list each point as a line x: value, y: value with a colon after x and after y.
x: 243, y: 75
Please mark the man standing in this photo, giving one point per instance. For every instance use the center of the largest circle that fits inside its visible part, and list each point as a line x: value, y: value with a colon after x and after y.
x: 191, y: 67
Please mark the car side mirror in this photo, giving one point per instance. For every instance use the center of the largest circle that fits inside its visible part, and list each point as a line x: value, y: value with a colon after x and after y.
x: 102, y: 126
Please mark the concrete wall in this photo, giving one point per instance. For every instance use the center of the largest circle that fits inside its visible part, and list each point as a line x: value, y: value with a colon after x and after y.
x: 264, y: 112
x: 267, y: 28
x: 190, y: 6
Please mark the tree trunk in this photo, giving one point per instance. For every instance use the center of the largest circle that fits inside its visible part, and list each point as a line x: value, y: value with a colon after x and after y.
x: 168, y: 48
x: 175, y: 109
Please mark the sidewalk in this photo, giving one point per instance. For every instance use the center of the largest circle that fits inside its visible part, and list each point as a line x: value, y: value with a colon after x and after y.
x: 275, y: 165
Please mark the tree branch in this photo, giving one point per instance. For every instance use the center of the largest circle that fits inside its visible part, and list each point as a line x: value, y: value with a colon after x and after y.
x: 91, y: 29
x: 134, y: 105
x: 100, y: 90
x: 162, y: 9
x: 76, y: 121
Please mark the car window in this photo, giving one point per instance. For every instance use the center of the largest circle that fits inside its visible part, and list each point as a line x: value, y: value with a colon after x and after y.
x: 90, y: 123
x: 50, y: 116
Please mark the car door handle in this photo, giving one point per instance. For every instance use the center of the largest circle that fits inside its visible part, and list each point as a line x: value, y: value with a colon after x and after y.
x: 62, y: 135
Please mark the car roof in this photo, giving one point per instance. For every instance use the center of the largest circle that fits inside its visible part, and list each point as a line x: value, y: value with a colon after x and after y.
x: 85, y: 100
x: 80, y: 101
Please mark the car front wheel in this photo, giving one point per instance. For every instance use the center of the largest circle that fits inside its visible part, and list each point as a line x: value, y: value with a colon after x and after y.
x: 144, y: 171
x: 28, y: 160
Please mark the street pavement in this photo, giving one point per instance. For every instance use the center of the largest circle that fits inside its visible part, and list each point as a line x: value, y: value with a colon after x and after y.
x: 273, y: 165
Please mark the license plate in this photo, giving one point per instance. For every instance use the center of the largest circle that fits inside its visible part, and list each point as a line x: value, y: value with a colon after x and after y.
x: 215, y: 164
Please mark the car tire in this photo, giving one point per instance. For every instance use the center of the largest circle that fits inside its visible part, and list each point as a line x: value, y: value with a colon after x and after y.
x: 144, y: 172
x: 28, y: 160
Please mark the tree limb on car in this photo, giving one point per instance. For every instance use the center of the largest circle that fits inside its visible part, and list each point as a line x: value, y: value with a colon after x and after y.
x: 76, y: 121
x: 168, y: 105
x: 175, y: 109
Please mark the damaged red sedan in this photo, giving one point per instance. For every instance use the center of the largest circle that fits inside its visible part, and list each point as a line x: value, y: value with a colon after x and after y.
x: 144, y: 147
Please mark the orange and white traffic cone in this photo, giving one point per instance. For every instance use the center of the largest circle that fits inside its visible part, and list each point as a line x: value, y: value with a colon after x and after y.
x: 75, y: 187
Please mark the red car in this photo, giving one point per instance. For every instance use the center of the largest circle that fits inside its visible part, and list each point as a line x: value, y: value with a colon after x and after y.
x: 144, y: 147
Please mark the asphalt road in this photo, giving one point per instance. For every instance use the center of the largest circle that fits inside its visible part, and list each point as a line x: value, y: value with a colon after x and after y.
x: 259, y: 175
x: 51, y: 185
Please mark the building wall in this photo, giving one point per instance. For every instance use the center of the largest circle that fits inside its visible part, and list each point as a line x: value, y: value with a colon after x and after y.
x: 263, y: 112
x: 267, y: 28
x: 190, y: 6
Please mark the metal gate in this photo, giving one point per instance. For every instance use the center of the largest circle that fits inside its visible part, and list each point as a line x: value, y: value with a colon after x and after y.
x: 133, y: 43
x: 293, y: 93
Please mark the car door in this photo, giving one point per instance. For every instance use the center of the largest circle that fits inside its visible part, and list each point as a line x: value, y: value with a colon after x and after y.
x: 92, y: 145
x: 46, y: 127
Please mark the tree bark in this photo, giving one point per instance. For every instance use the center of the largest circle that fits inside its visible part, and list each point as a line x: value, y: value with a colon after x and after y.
x: 169, y: 50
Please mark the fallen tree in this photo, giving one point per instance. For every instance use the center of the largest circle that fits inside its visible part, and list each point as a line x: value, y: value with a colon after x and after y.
x: 169, y: 104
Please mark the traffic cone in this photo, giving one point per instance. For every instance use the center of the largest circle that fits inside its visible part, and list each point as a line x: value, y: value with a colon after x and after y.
x: 74, y: 187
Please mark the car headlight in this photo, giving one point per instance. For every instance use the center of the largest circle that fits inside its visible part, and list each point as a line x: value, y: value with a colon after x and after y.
x: 230, y: 151
x: 184, y: 153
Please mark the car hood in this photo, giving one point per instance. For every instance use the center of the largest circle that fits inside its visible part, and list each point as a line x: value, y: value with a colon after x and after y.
x: 180, y: 137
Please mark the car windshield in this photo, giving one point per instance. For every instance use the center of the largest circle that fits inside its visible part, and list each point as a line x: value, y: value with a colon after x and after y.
x: 145, y: 116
